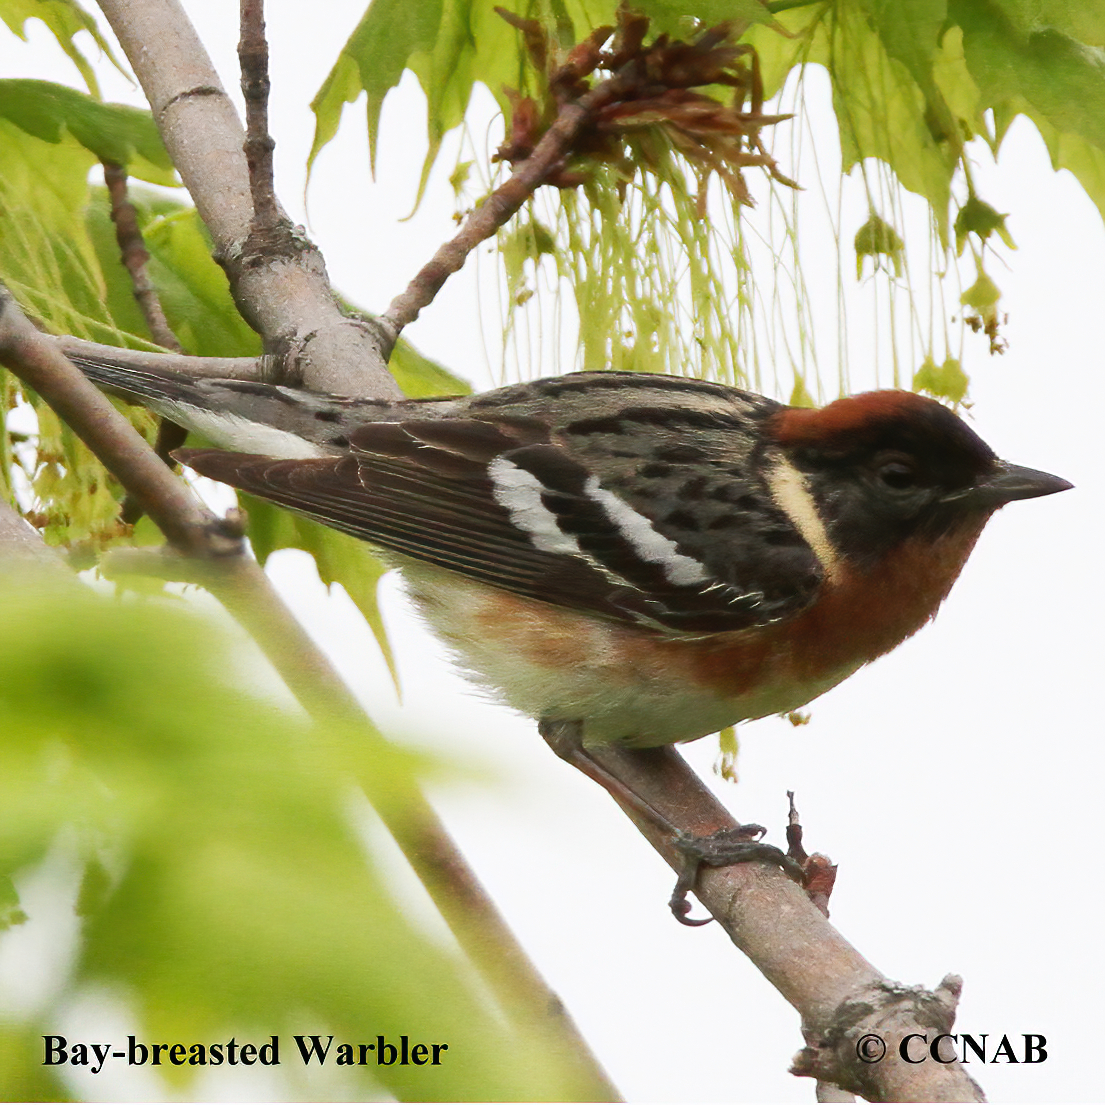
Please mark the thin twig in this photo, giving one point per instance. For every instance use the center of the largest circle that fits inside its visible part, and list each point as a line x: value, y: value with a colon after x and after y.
x: 818, y: 869
x: 208, y: 368
x: 548, y: 156
x: 253, y: 57
x: 134, y: 255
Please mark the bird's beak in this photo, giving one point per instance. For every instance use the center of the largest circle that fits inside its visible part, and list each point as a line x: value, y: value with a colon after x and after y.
x: 1006, y: 483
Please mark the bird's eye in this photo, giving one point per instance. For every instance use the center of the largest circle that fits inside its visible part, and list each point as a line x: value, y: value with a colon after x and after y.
x: 897, y: 473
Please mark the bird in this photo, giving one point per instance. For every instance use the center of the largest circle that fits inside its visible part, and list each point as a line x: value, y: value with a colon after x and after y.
x: 651, y: 558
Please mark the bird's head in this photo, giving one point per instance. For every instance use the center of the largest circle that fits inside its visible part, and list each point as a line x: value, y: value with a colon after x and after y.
x: 884, y: 466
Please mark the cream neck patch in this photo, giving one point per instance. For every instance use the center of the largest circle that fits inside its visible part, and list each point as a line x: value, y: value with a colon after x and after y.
x: 792, y: 493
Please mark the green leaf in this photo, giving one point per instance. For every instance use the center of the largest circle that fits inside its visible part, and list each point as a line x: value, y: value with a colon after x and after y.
x: 796, y: 37
x: 1057, y: 78
x: 339, y: 558
x: 1085, y: 160
x: 678, y: 19
x: 1083, y: 22
x: 946, y: 381
x: 979, y: 218
x: 421, y: 378
x: 1022, y: 65
x: 59, y: 255
x: 957, y: 87
x: 372, y: 61
x: 883, y: 112
x: 193, y: 289
x: 448, y: 45
x: 113, y: 132
x: 908, y: 32
x: 65, y: 19
x: 876, y: 239
x: 46, y: 258
x: 521, y: 247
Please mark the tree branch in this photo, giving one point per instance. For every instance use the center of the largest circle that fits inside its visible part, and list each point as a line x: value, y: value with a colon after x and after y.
x: 840, y: 996
x: 22, y: 550
x: 286, y: 298
x: 499, y: 207
x: 134, y: 255
x: 211, y: 368
x: 253, y: 58
x: 35, y: 359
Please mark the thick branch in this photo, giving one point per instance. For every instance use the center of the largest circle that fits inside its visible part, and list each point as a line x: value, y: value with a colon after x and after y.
x: 286, y: 298
x: 839, y: 995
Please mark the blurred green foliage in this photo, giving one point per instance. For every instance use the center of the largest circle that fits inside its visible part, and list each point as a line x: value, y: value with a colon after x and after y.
x: 64, y: 19
x: 228, y: 884
x: 230, y: 887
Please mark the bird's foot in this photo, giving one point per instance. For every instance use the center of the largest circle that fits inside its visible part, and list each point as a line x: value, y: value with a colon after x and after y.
x: 739, y: 844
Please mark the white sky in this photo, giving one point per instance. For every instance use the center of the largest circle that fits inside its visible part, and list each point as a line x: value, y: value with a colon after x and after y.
x: 955, y: 782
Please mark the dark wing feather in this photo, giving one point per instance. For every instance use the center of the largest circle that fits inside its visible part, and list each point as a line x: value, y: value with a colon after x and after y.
x: 454, y: 524
x: 422, y: 489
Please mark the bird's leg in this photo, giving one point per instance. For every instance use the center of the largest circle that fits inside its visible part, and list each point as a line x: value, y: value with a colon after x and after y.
x: 734, y: 843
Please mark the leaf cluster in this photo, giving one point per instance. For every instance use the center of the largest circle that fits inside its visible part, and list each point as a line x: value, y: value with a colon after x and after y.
x: 60, y: 257
x: 912, y: 86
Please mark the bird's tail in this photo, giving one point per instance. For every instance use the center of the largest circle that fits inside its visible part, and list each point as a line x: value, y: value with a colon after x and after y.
x: 243, y: 415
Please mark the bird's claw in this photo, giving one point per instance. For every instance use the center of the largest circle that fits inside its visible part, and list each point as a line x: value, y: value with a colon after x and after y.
x: 680, y: 907
x: 724, y: 848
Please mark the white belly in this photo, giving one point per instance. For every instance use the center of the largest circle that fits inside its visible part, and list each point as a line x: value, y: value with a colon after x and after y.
x: 549, y: 662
